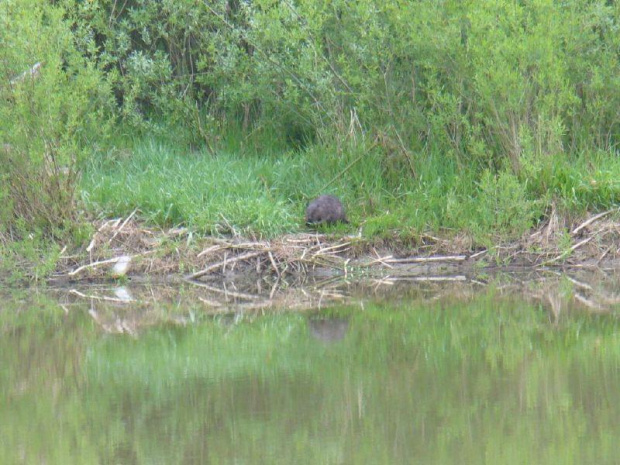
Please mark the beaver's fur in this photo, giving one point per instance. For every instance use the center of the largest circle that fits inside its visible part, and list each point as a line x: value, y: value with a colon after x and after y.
x: 325, y: 209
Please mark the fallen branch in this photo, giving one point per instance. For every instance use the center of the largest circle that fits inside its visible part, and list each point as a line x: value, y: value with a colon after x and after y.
x: 211, y: 268
x: 333, y: 247
x: 476, y: 255
x: 448, y: 258
x: 226, y: 292
x: 213, y: 248
x: 273, y: 263
x: 428, y: 278
x: 382, y: 260
x: 590, y: 221
x: 96, y: 297
x: 122, y: 226
x: 93, y: 265
x: 566, y: 253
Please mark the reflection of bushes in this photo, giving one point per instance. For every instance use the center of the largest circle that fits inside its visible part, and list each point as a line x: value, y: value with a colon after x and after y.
x: 446, y: 383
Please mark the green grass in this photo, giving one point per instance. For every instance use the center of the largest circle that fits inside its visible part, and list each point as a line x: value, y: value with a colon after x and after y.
x: 265, y: 194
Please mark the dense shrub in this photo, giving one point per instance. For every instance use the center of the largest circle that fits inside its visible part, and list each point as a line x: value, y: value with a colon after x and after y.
x: 54, y: 110
x: 485, y: 82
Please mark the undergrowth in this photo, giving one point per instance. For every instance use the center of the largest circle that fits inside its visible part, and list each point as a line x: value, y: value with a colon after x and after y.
x: 265, y: 194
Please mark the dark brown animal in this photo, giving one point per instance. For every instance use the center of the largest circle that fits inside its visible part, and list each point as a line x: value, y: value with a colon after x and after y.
x: 325, y: 209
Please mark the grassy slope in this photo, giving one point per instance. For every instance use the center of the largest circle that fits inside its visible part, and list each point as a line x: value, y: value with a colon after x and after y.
x: 265, y: 194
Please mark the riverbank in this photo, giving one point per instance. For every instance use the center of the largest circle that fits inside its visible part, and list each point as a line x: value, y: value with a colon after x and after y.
x: 124, y: 247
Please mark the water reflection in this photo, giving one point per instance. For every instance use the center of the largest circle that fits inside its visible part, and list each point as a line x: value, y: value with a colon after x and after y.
x: 510, y: 371
x: 328, y: 329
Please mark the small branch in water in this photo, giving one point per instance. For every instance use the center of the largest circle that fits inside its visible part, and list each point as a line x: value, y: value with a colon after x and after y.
x: 334, y: 248
x: 273, y: 262
x: 382, y: 260
x: 226, y: 292
x: 448, y: 258
x: 96, y: 297
x: 428, y: 278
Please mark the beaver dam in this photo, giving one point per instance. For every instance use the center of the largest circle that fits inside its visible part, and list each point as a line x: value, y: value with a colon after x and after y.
x: 124, y: 246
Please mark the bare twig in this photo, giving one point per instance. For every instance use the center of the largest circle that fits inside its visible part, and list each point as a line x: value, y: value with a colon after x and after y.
x: 448, y: 258
x: 97, y: 297
x: 476, y: 255
x: 213, y: 248
x: 567, y: 252
x: 211, y: 268
x: 122, y: 226
x: 273, y: 263
x: 93, y: 265
x: 428, y: 278
x: 590, y: 221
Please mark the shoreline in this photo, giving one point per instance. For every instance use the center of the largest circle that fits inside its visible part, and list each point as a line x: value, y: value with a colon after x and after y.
x: 124, y: 247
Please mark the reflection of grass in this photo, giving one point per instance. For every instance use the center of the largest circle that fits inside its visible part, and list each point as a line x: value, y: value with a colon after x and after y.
x: 448, y: 382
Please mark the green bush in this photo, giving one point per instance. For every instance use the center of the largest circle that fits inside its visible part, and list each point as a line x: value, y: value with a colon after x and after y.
x: 55, y: 109
x: 481, y: 82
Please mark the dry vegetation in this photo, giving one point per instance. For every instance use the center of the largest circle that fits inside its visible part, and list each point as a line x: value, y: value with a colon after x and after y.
x: 561, y: 267
x: 124, y: 246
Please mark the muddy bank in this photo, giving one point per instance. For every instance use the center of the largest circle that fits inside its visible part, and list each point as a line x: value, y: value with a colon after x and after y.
x: 125, y: 247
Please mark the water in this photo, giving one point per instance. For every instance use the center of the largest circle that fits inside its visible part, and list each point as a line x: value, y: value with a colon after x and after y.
x: 384, y: 373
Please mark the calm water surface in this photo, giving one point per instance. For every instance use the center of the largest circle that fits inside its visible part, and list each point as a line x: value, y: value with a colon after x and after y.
x: 435, y: 374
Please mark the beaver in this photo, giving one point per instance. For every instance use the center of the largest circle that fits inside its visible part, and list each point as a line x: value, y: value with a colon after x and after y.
x: 325, y: 209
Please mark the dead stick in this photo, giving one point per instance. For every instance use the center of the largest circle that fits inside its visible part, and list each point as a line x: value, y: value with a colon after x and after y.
x: 122, y: 226
x: 225, y: 292
x: 93, y: 265
x: 572, y: 249
x: 476, y: 255
x: 273, y: 262
x: 448, y: 258
x: 210, y: 249
x: 428, y: 278
x: 591, y: 220
x: 208, y: 269
x: 333, y: 247
x: 96, y: 297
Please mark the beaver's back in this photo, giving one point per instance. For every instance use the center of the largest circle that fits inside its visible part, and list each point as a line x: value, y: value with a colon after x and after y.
x: 325, y: 209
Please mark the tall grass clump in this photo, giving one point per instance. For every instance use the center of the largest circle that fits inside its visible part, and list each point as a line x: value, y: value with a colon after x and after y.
x: 54, y: 111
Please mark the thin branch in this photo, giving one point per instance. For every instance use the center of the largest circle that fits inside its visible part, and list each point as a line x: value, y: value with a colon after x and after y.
x: 216, y: 266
